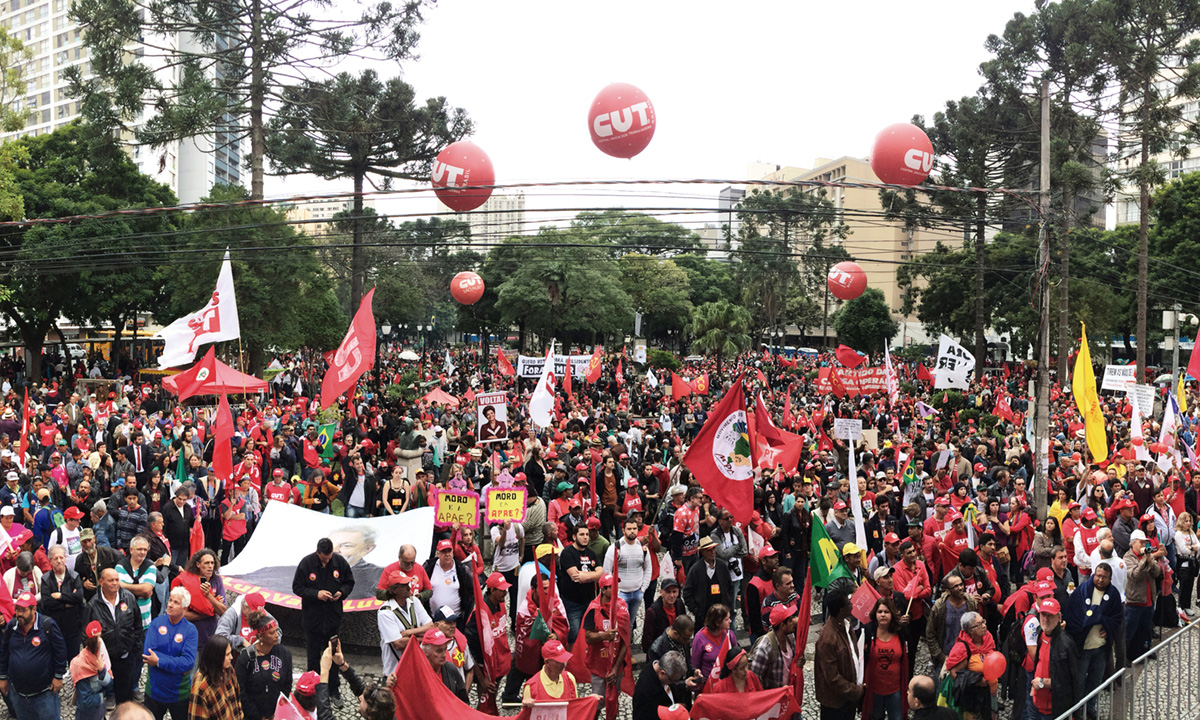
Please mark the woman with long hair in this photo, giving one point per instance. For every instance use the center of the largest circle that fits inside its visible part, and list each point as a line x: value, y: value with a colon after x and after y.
x: 1045, y: 541
x: 707, y: 642
x: 207, y: 591
x: 1187, y: 563
x: 885, y: 671
x: 214, y: 686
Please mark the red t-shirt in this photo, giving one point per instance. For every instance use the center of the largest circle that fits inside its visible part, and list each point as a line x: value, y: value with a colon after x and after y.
x: 283, y: 492
x: 417, y: 571
x: 47, y: 432
x: 886, y: 656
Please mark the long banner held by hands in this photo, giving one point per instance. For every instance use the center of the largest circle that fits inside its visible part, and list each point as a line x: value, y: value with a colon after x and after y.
x: 354, y: 356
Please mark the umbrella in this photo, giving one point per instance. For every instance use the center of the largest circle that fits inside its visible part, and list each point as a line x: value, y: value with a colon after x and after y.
x: 1163, y: 379
x: 409, y: 355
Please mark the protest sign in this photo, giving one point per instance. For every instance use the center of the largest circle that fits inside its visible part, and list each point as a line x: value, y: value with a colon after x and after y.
x: 531, y: 367
x: 847, y: 428
x: 1119, y: 377
x: 506, y: 504
x: 492, y: 417
x: 460, y: 507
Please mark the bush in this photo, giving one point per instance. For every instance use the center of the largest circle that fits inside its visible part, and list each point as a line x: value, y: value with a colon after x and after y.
x: 406, y: 389
x: 907, y: 388
x: 953, y: 400
x: 987, y: 422
x: 661, y: 359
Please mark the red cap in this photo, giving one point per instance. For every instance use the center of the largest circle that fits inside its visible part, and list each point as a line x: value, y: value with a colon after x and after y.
x: 580, y: 467
x: 551, y: 455
x: 554, y: 650
x: 26, y: 600
x: 444, y: 545
x: 434, y: 637
x: 1048, y: 605
x: 593, y: 523
x: 632, y: 482
x: 954, y: 515
x: 398, y: 577
x: 1145, y: 517
x: 839, y: 505
x: 73, y: 513
x: 1045, y: 574
x: 980, y: 467
x: 607, y: 580
x: 519, y: 477
x: 943, y: 500
x: 1089, y: 514
x: 1073, y: 505
x: 255, y: 601
x: 891, y: 538
x: 766, y: 552
x: 496, y: 581
x: 1043, y: 589
x: 278, y: 472
x: 780, y: 613
x: 307, y: 684
x: 673, y: 712
x: 93, y: 629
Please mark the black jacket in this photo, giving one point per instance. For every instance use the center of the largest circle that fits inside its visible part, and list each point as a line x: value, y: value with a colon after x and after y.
x: 122, y: 633
x: 357, y: 686
x: 466, y: 591
x: 1066, y: 683
x: 176, y: 528
x: 697, y: 588
x: 322, y: 616
x: 370, y: 491
x: 649, y: 695
x: 106, y: 557
x: 67, y: 611
x: 656, y: 621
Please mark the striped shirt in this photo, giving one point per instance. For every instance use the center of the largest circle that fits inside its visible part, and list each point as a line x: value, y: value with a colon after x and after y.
x: 149, y: 576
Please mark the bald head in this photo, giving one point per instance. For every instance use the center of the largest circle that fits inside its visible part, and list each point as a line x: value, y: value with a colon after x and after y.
x: 922, y: 693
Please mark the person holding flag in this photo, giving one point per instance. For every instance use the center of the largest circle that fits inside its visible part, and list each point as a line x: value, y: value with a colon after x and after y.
x: 487, y: 639
x: 602, y: 650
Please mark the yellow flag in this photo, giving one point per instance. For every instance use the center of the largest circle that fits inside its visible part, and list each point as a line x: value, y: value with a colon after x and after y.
x: 1181, y: 394
x: 1083, y: 387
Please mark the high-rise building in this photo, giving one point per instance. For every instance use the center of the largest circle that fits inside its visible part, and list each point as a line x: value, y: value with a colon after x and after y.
x: 727, y: 202
x: 313, y: 217
x: 879, y: 245
x: 500, y: 218
x: 190, y: 168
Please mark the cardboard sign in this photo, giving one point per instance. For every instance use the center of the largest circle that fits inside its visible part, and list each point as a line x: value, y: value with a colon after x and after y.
x: 460, y: 507
x: 847, y: 428
x: 492, y: 418
x: 506, y: 504
x: 1119, y: 377
x: 862, y: 601
x: 1145, y: 398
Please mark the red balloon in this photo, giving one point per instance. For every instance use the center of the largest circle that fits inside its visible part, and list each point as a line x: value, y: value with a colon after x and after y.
x: 463, y: 164
x: 467, y: 287
x: 621, y: 120
x: 847, y: 280
x: 994, y: 666
x: 902, y: 155
x: 1138, y: 441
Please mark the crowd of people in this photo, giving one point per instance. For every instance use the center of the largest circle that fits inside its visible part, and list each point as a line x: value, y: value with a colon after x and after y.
x: 118, y: 527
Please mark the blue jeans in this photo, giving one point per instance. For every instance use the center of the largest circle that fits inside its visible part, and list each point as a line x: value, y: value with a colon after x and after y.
x: 886, y: 706
x: 575, y: 613
x: 633, y: 600
x: 355, y: 512
x: 1091, y: 668
x: 43, y: 706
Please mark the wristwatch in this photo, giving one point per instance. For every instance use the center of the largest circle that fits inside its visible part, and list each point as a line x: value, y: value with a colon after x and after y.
x: 1041, y: 684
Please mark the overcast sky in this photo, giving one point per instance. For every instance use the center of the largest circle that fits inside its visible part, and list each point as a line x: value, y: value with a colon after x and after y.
x: 779, y: 82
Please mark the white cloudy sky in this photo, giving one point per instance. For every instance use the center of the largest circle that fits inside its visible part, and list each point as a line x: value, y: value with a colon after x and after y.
x: 774, y: 81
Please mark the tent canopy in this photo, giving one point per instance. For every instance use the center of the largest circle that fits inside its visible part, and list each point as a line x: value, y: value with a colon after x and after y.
x: 224, y: 380
x: 440, y: 396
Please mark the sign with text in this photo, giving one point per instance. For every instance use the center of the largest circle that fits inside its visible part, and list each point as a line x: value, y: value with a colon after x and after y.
x: 1145, y: 398
x: 492, y: 417
x: 847, y: 429
x: 1119, y: 377
x: 460, y: 507
x: 531, y: 367
x: 506, y: 504
x: 856, y: 381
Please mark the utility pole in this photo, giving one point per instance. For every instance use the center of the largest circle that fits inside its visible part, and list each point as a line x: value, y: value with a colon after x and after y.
x: 1041, y: 439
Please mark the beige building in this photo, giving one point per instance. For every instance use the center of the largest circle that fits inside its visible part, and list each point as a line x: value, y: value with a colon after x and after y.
x: 313, y: 217
x: 500, y: 218
x: 876, y: 244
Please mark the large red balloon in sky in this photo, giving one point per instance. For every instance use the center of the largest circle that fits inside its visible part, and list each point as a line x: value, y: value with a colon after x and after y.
x: 902, y: 155
x: 621, y: 120
x: 460, y: 165
x: 467, y: 287
x: 847, y: 280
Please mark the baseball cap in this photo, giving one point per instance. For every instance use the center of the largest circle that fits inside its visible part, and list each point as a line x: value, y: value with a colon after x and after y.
x: 554, y: 650
x: 839, y: 505
x: 882, y: 572
x: 307, y: 684
x: 593, y: 523
x: 1089, y: 514
x: 1073, y: 505
x: 980, y: 467
x: 13, y: 475
x: 445, y: 614
x: 255, y: 601
x: 850, y: 549
x: 668, y: 582
x: 444, y: 545
x: 954, y: 515
x: 398, y: 577
x: 607, y: 580
x: 767, y: 551
x: 278, y: 472
x: 780, y: 613
x: 7, y: 510
x: 1137, y: 535
x: 891, y: 538
x: 1046, y: 574
x: 93, y: 629
x: 496, y: 581
x: 543, y: 550
x: 673, y: 712
x: 73, y: 513
x: 1048, y: 605
x: 84, y: 534
x: 434, y: 637
x: 632, y: 482
x: 26, y: 600
x: 1043, y: 589
x: 943, y: 500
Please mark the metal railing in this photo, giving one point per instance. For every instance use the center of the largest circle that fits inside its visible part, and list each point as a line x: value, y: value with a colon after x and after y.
x: 1163, y: 684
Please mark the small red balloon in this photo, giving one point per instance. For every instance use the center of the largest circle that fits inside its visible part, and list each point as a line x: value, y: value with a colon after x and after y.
x: 994, y: 665
x: 1138, y: 441
x: 847, y: 280
x: 621, y: 120
x: 902, y: 155
x: 463, y: 164
x: 467, y: 287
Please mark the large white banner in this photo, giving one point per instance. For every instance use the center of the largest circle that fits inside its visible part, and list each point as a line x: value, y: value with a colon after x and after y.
x: 492, y: 417
x: 287, y: 533
x: 531, y: 367
x: 954, y: 366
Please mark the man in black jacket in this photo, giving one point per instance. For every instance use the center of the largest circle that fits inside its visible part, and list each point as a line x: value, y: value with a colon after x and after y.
x: 322, y: 581
x: 1056, y: 679
x: 662, y: 684
x: 360, y: 492
x: 658, y: 619
x: 121, y: 629
x: 63, y: 601
x: 708, y: 582
x: 177, y: 526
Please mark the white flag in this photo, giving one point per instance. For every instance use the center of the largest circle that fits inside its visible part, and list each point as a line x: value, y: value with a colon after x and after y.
x: 449, y: 365
x: 1135, y: 430
x: 216, y: 321
x: 955, y: 366
x: 651, y: 380
x: 1169, y: 436
x: 889, y: 374
x: 541, y: 404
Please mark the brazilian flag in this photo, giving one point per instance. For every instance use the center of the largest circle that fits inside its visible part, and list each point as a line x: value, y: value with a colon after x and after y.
x: 910, y: 473
x: 325, y: 437
x: 825, y: 562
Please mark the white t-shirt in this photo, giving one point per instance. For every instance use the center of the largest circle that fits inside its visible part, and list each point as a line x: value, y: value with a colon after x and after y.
x: 391, y: 628
x: 68, y: 539
x: 445, y: 588
x: 506, y: 558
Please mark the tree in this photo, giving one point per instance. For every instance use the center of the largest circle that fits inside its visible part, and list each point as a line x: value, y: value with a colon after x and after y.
x: 638, y: 232
x: 237, y: 56
x: 285, y: 299
x: 355, y: 127
x: 865, y: 323
x: 1152, y: 55
x: 721, y: 329
x: 708, y: 280
x: 658, y: 289
x: 15, y: 61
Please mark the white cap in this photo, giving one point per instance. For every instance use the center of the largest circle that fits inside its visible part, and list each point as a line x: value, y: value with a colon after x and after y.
x: 6, y: 453
x: 1137, y: 535
x: 7, y: 510
x: 12, y: 475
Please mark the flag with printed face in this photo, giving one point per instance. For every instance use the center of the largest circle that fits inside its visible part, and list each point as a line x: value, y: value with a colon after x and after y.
x: 216, y: 321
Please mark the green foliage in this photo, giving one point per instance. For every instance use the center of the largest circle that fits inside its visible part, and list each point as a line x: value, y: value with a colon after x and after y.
x: 721, y: 329
x: 12, y: 204
x: 285, y: 300
x: 865, y: 323
x: 953, y: 400
x: 708, y: 280
x: 406, y: 389
x: 659, y: 288
x: 635, y: 232
x: 662, y: 360
x: 987, y: 422
x: 15, y: 66
x: 912, y: 353
x: 907, y: 388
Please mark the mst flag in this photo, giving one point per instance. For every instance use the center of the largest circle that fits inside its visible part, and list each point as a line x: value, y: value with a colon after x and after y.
x: 1083, y: 387
x: 216, y: 321
x: 191, y: 381
x: 722, y: 456
x: 354, y: 356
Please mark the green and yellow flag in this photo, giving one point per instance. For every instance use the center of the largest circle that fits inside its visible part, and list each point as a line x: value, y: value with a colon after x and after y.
x: 1083, y: 387
x: 325, y: 437
x: 825, y: 562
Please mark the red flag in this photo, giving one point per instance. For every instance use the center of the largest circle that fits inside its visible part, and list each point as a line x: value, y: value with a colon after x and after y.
x: 620, y: 376
x: 849, y: 356
x: 354, y: 356
x: 679, y: 388
x: 784, y: 447
x: 195, y: 538
x: 923, y: 373
x: 469, y: 395
x: 744, y: 706
x: 715, y: 673
x: 594, y: 366
x: 805, y: 617
x: 506, y: 367
x: 787, y: 363
x: 722, y: 455
x: 566, y: 383
x: 766, y: 355
x: 700, y: 384
x: 1004, y: 409
x: 191, y: 381
x: 285, y: 709
x: 761, y: 378
x: 1007, y: 372
x: 222, y: 435
x: 1193, y: 367
x: 835, y: 381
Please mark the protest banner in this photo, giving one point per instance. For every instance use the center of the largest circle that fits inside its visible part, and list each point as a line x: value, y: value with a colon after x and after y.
x: 492, y: 418
x: 1119, y: 377
x: 506, y: 504
x: 456, y: 506
x: 531, y: 366
x: 286, y: 533
x: 858, y: 381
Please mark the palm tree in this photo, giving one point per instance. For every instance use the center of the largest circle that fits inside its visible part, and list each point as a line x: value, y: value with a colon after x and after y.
x: 720, y: 328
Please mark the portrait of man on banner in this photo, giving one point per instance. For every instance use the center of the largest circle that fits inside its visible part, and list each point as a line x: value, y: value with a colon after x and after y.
x: 492, y: 417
